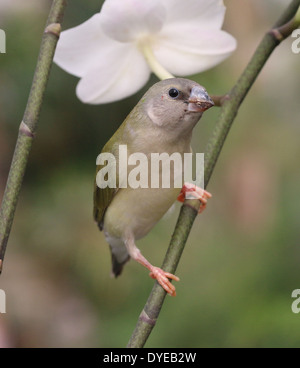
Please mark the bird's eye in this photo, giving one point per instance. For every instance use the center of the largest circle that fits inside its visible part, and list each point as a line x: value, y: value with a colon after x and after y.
x: 173, y: 92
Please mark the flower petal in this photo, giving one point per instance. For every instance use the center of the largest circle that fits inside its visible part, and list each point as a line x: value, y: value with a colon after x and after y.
x: 79, y: 48
x: 194, y: 52
x: 191, y: 40
x: 120, y: 75
x: 208, y: 14
x: 125, y: 20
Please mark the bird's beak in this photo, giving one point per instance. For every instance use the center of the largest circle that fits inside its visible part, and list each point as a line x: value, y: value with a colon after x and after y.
x: 199, y: 100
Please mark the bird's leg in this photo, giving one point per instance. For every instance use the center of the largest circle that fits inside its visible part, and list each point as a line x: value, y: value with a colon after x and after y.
x: 157, y: 273
x: 191, y: 191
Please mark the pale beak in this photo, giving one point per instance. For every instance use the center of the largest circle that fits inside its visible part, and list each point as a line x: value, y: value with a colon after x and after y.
x: 199, y: 100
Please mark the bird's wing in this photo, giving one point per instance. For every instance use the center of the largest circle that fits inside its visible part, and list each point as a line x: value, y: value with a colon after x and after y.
x: 104, y: 196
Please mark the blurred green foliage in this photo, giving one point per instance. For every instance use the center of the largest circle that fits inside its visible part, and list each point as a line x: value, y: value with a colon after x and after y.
x: 241, y: 262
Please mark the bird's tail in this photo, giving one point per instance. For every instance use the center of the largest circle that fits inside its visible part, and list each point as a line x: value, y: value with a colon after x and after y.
x: 117, y: 266
x: 119, y: 254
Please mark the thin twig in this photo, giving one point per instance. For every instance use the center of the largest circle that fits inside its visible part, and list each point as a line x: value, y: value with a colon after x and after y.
x: 219, y: 100
x: 188, y: 213
x: 28, y: 125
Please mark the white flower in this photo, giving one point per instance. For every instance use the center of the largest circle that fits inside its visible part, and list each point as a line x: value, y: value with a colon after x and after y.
x: 114, y: 51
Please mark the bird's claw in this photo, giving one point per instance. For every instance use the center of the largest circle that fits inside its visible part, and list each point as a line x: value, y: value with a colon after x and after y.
x: 191, y: 191
x: 162, y: 278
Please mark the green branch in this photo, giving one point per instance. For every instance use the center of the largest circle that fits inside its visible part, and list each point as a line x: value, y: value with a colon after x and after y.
x: 28, y: 125
x: 229, y: 108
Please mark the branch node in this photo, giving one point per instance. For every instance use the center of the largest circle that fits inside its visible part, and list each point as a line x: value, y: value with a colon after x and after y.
x: 145, y: 318
x: 276, y: 34
x: 225, y: 98
x: 24, y: 128
x: 54, y: 28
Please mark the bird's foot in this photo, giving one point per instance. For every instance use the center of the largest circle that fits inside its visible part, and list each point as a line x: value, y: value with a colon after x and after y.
x: 191, y: 191
x: 162, y: 278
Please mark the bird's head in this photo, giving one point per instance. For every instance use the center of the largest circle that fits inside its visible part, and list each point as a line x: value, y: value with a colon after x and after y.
x: 176, y: 104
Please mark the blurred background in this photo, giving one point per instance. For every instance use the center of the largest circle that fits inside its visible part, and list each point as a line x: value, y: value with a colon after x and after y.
x: 241, y: 262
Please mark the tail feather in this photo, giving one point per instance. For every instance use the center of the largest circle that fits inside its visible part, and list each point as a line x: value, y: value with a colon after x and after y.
x: 117, y: 266
x: 119, y: 254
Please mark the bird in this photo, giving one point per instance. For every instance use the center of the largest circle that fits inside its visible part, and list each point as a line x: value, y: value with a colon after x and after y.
x: 161, y: 122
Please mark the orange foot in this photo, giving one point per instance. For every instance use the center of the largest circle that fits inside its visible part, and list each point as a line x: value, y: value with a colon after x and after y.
x: 162, y: 278
x: 191, y: 191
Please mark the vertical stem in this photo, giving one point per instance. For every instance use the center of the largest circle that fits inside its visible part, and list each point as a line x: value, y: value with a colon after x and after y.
x: 29, y: 123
